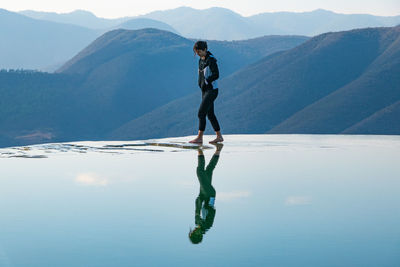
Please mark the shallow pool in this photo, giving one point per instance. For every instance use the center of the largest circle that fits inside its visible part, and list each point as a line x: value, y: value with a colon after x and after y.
x: 265, y: 200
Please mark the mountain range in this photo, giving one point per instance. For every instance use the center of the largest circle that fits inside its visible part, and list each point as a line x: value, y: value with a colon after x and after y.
x: 46, y: 40
x: 88, y: 20
x: 122, y: 75
x: 80, y: 18
x: 37, y: 43
x: 135, y: 84
x: 218, y: 23
x: 30, y: 44
x: 224, y: 24
x: 342, y: 82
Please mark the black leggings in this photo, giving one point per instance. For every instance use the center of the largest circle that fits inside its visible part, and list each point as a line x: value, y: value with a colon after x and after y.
x: 207, y: 109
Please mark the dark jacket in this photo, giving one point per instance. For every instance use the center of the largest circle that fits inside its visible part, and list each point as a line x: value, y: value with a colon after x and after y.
x: 208, y: 72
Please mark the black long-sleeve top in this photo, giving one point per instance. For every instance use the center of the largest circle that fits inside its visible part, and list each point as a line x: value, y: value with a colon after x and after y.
x: 208, y: 72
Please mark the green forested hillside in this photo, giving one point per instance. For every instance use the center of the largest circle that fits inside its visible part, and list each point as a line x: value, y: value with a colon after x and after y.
x: 327, y: 84
x: 119, y: 77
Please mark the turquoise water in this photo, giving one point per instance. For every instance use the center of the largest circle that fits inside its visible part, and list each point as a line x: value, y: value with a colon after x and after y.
x: 281, y: 200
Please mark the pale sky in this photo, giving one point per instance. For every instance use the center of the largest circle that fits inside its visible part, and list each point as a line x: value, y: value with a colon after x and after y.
x: 121, y: 8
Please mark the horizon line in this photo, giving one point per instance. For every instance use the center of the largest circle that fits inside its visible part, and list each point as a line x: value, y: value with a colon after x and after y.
x: 199, y: 9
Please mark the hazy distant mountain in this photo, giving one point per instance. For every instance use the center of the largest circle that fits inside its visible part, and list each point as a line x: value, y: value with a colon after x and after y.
x: 47, y: 41
x: 317, y: 22
x: 142, y: 23
x: 333, y: 83
x: 78, y: 17
x: 89, y: 20
x: 213, y: 23
x: 224, y: 24
x: 36, y: 44
x: 41, y: 44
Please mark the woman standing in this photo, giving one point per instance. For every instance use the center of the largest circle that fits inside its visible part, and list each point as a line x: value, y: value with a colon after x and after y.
x: 208, y: 75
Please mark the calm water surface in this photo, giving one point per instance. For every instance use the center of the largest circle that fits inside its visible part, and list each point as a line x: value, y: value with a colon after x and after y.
x: 281, y: 200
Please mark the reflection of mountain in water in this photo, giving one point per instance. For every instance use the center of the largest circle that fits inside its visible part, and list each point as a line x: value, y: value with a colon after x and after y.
x: 205, y: 209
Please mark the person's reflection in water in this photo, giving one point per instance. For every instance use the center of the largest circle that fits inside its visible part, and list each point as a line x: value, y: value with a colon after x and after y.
x: 205, y: 210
